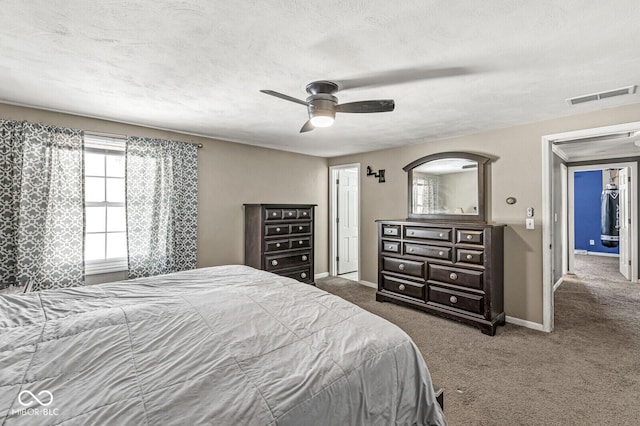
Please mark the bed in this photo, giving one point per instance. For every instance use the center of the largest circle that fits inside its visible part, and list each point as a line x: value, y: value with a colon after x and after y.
x: 227, y: 345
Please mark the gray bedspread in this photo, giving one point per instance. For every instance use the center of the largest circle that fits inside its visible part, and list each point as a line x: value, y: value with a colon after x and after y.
x: 227, y: 345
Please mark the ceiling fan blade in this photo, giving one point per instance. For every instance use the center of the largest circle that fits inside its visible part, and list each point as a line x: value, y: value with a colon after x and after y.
x: 381, y: 105
x: 388, y: 78
x: 307, y: 127
x: 285, y: 97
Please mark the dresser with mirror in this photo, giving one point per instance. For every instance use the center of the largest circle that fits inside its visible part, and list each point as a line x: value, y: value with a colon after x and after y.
x: 444, y: 258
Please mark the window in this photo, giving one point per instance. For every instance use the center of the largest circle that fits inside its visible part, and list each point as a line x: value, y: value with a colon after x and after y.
x: 105, y: 215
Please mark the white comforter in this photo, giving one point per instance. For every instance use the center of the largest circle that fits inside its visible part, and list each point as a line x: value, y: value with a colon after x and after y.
x: 227, y: 345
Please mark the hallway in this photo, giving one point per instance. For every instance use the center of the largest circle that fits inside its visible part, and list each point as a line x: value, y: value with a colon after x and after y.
x: 599, y: 302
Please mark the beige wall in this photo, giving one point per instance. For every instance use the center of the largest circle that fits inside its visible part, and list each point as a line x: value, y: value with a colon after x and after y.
x: 230, y: 175
x: 517, y: 172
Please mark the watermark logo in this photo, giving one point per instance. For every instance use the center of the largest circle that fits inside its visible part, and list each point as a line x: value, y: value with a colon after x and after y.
x: 35, y: 405
x: 42, y: 394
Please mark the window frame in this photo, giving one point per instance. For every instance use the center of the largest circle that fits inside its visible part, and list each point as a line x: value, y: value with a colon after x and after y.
x: 105, y: 145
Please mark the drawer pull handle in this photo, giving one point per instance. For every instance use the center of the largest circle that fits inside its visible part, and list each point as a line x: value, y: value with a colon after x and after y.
x: 411, y: 249
x: 469, y: 237
x: 410, y: 233
x: 304, y: 214
x: 453, y: 299
x: 277, y: 244
x: 274, y: 262
x: 469, y: 257
x: 277, y: 229
x: 300, y: 228
x: 441, y: 234
x: 300, y: 242
x: 304, y: 257
x: 274, y: 214
x: 453, y: 276
x: 290, y: 214
x: 401, y: 266
x: 303, y: 275
x: 440, y: 253
x: 401, y: 287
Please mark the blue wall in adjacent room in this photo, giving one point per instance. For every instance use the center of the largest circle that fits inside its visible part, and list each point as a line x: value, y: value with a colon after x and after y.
x: 587, y: 190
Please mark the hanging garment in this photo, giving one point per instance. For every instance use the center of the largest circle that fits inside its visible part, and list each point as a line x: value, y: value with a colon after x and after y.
x: 609, y: 219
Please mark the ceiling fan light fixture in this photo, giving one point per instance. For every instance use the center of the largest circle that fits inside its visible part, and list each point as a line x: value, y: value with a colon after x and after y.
x: 322, y: 118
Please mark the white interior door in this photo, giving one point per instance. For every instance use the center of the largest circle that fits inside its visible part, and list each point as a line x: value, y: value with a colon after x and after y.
x: 347, y: 221
x: 624, y: 223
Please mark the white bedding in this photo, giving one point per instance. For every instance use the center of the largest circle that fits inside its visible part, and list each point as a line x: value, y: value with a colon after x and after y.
x: 227, y: 345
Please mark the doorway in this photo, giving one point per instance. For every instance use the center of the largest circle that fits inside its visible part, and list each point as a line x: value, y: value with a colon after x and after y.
x: 588, y: 185
x: 345, y: 221
x: 616, y: 143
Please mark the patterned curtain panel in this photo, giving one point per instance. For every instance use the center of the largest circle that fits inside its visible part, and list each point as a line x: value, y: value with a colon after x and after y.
x: 162, y: 206
x: 42, y: 210
x: 426, y: 195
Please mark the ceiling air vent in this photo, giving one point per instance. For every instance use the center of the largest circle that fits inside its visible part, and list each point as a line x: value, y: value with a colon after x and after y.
x: 630, y: 90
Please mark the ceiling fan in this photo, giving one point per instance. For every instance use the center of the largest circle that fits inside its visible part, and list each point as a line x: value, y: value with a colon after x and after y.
x: 322, y: 105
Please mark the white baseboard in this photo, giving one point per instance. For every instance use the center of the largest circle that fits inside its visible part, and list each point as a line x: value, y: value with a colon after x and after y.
x: 368, y: 284
x: 321, y: 275
x: 524, y: 323
x: 557, y: 284
x: 595, y: 253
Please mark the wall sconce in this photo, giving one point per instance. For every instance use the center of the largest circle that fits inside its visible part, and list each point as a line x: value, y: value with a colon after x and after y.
x: 379, y: 175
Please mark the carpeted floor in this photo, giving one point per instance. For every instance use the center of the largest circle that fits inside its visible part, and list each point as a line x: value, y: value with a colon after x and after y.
x: 587, y: 372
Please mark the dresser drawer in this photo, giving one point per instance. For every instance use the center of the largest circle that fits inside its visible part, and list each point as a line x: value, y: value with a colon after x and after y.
x: 456, y: 299
x: 301, y: 228
x: 304, y: 213
x: 276, y: 245
x: 391, y: 230
x: 469, y: 236
x: 438, y: 234
x: 282, y: 261
x: 302, y: 242
x: 272, y: 214
x: 270, y: 230
x: 391, y: 246
x: 469, y: 256
x: 303, y: 274
x: 406, y: 288
x: 408, y: 267
x: 457, y: 276
x: 289, y: 214
x: 427, y: 251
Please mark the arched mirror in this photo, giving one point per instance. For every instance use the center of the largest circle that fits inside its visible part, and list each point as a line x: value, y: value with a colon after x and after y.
x: 447, y: 186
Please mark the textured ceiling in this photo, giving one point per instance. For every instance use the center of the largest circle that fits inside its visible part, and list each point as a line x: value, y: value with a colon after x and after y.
x: 452, y: 67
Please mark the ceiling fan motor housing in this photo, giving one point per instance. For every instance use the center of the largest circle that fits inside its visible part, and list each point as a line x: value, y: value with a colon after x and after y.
x: 322, y: 105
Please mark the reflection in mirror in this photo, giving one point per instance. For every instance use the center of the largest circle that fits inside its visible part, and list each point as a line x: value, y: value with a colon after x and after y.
x: 445, y: 186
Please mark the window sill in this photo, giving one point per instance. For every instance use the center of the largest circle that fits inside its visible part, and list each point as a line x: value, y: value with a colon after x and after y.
x: 105, y: 266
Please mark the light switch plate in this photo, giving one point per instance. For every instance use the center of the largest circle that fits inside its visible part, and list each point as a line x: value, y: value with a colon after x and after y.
x: 530, y: 223
x: 529, y: 211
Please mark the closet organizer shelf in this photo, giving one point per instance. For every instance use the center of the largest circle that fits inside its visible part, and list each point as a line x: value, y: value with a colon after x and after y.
x: 279, y: 239
x: 453, y: 270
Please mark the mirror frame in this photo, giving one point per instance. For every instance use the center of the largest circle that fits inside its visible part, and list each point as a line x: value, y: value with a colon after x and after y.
x: 482, y: 162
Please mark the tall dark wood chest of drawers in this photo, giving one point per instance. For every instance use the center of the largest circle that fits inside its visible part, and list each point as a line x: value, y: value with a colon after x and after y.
x: 279, y: 238
x: 454, y: 270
